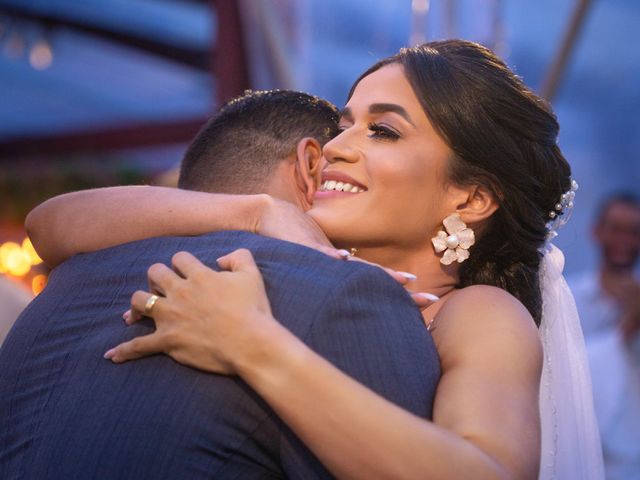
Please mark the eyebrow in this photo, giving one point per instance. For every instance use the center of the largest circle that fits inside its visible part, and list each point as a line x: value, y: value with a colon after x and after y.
x: 380, y: 108
x: 346, y: 113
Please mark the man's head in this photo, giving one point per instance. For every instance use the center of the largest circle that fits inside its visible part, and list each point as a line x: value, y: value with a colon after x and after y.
x: 617, y: 231
x: 261, y: 142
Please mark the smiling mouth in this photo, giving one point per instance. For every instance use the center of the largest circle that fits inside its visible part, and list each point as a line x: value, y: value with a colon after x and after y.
x: 335, y: 186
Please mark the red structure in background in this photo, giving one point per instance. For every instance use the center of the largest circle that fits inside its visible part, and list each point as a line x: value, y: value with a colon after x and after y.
x: 229, y: 62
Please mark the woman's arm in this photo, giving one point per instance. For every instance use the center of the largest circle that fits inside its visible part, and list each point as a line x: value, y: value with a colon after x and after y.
x: 90, y: 220
x: 485, y: 415
x: 485, y: 421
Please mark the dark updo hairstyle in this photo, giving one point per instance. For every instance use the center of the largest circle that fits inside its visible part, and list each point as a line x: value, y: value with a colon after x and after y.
x: 504, y: 138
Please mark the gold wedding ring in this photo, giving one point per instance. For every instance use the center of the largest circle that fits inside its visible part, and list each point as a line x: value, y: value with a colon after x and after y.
x: 352, y: 252
x: 151, y: 301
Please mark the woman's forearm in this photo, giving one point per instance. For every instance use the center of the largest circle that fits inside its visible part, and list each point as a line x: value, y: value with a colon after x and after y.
x: 90, y: 220
x: 354, y: 432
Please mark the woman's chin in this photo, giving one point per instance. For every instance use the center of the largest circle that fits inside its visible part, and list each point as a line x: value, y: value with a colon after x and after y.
x: 341, y: 230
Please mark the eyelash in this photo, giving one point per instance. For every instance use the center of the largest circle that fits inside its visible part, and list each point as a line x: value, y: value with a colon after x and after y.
x: 381, y: 132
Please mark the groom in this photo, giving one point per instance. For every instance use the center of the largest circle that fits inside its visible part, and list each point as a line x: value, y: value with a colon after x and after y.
x: 65, y: 412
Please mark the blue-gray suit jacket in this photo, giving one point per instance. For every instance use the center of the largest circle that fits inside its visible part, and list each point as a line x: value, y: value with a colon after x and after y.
x: 66, y: 413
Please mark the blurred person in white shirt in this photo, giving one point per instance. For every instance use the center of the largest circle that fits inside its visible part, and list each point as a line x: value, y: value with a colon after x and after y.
x: 609, y: 304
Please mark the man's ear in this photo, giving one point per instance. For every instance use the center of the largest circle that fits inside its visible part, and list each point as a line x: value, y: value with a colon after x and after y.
x: 309, y: 163
x: 479, y: 204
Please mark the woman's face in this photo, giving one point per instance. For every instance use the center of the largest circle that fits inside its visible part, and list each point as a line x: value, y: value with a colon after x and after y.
x: 393, y: 164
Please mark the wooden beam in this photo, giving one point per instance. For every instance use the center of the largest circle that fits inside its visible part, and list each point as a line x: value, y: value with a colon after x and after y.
x: 559, y: 65
x: 230, y: 66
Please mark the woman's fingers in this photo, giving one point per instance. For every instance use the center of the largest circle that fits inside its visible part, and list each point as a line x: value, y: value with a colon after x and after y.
x: 143, y: 304
x: 332, y: 252
x: 161, y: 278
x: 206, y: 319
x: 424, y: 300
x: 239, y: 260
x: 421, y: 299
x: 401, y: 277
x: 186, y: 265
x: 137, y: 348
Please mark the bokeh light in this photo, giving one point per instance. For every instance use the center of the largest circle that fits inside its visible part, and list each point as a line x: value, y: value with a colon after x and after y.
x: 38, y: 283
x: 41, y: 55
x: 14, y: 259
x: 27, y: 246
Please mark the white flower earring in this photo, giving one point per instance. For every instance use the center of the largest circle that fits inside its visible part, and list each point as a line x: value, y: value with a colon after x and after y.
x: 455, y: 242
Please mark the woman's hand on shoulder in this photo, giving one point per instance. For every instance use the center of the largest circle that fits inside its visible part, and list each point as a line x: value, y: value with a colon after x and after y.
x: 491, y: 362
x: 210, y: 320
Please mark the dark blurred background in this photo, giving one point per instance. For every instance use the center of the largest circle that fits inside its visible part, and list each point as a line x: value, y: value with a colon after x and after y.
x: 108, y: 92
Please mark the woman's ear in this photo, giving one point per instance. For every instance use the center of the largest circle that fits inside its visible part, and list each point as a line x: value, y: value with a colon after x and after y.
x: 309, y: 163
x: 479, y: 205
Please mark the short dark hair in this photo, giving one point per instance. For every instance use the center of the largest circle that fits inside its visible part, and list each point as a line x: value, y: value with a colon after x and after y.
x: 237, y: 149
x: 625, y: 198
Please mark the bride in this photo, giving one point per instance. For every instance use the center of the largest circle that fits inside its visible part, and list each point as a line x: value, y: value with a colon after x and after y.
x: 459, y: 180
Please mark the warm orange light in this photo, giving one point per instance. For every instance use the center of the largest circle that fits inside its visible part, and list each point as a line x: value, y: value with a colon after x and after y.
x: 27, y: 247
x: 14, y: 260
x: 18, y: 263
x: 7, y: 251
x: 38, y: 283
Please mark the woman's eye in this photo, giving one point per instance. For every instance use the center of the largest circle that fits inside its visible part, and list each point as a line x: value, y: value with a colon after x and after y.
x: 382, y: 132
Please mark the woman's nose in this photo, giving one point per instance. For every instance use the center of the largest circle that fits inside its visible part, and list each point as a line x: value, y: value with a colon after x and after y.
x: 340, y: 149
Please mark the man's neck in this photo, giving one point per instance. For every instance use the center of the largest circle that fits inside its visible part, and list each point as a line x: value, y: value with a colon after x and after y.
x: 283, y: 187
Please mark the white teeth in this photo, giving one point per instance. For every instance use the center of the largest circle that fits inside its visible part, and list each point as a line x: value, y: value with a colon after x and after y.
x: 332, y: 185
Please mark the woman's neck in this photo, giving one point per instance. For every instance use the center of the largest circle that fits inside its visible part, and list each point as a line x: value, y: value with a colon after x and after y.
x: 422, y: 261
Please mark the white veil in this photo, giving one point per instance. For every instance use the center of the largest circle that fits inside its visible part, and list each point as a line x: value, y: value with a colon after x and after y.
x: 571, y: 446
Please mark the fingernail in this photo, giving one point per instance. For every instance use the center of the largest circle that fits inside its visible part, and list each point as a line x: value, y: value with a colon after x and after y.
x: 429, y: 296
x: 109, y: 354
x: 408, y: 276
x: 126, y: 315
x: 344, y: 253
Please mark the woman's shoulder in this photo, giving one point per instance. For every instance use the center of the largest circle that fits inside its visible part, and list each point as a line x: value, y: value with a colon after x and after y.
x: 487, y: 297
x: 483, y: 318
x: 486, y: 302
